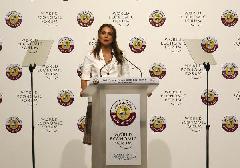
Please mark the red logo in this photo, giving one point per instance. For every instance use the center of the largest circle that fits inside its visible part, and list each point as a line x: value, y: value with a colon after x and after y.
x: 85, y: 18
x: 230, y: 123
x: 157, y: 18
x: 137, y: 45
x: 79, y: 70
x: 212, y: 97
x: 229, y: 18
x: 81, y: 123
x: 65, y: 98
x: 157, y: 70
x: 65, y: 45
x: 14, y: 124
x: 14, y: 72
x: 230, y: 71
x: 123, y: 112
x: 0, y: 98
x: 209, y: 44
x: 157, y: 124
x: 13, y: 19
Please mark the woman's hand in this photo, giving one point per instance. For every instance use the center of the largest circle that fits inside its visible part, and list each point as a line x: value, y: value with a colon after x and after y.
x: 83, y: 86
x: 81, y: 93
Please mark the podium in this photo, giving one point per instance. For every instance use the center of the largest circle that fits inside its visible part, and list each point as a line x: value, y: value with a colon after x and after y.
x: 119, y: 121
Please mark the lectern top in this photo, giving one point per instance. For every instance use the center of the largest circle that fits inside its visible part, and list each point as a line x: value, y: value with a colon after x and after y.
x: 144, y: 83
x: 126, y: 81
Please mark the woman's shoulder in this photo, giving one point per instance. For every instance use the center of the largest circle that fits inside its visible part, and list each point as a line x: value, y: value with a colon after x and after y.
x: 90, y: 54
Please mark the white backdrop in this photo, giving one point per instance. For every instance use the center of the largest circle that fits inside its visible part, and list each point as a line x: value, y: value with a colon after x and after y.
x: 176, y: 113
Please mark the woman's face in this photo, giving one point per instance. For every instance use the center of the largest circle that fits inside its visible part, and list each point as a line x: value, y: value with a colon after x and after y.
x: 106, y: 36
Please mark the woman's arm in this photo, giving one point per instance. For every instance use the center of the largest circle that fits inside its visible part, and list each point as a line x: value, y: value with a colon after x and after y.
x: 86, y: 73
x: 83, y: 86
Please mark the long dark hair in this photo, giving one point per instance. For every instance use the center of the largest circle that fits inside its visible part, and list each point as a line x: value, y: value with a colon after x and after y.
x: 117, y: 52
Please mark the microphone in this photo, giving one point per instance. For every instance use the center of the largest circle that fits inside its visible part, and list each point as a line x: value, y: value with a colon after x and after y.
x: 134, y: 66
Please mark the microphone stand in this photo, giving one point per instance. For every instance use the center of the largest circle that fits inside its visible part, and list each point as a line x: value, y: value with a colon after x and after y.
x: 31, y: 68
x: 134, y: 66
x: 207, y: 67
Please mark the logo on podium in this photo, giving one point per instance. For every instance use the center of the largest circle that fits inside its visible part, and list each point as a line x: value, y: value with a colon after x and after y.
x: 123, y: 112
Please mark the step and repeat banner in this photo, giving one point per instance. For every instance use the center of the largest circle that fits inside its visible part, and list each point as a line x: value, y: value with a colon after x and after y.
x: 151, y: 34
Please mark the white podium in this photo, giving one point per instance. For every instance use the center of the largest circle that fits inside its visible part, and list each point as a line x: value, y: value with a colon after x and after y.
x: 119, y: 121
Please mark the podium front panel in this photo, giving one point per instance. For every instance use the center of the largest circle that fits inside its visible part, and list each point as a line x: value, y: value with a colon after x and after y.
x: 123, y: 141
x: 99, y: 156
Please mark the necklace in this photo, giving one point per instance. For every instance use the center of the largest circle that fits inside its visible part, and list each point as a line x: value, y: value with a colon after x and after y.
x: 108, y: 61
x: 109, y: 67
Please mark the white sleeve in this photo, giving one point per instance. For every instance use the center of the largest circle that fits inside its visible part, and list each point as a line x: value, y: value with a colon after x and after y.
x: 87, y: 66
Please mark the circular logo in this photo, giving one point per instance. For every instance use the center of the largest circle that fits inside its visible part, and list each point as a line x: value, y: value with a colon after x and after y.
x: 65, y: 45
x: 65, y: 97
x: 79, y: 70
x: 13, y: 19
x: 14, y: 124
x: 157, y: 18
x: 157, y: 124
x: 123, y: 112
x: 85, y: 18
x: 230, y: 123
x: 0, y: 98
x: 212, y: 97
x: 137, y: 45
x: 0, y: 46
x: 81, y: 123
x: 229, y: 18
x: 157, y: 70
x: 230, y: 71
x: 209, y: 44
x: 95, y: 81
x: 13, y: 72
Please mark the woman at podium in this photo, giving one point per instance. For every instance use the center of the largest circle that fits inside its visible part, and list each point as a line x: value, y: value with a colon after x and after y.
x: 105, y: 60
